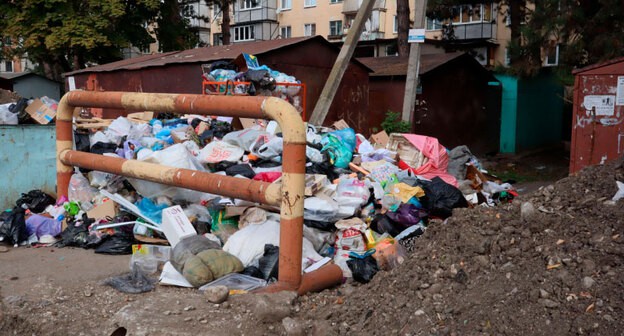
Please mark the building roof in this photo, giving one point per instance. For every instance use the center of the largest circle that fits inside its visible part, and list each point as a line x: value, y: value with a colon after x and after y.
x: 397, y: 66
x: 207, y: 54
x: 598, y: 65
x: 15, y: 75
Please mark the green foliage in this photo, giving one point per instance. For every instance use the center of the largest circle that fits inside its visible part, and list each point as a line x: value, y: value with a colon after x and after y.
x: 393, y: 123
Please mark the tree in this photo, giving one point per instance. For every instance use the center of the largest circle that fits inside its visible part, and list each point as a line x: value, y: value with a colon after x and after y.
x: 65, y: 35
x: 224, y: 7
x: 403, y: 25
x: 173, y: 28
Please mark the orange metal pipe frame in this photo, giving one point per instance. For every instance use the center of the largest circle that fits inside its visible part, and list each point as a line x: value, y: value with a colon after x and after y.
x: 293, y: 170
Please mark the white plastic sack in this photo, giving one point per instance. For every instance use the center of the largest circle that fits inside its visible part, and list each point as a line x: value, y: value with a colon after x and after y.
x: 247, y: 244
x: 218, y: 151
x: 175, y: 156
x: 318, y: 209
x: 138, y: 131
x: 314, y: 154
x: 353, y: 188
x: 79, y: 190
x: 7, y: 117
x: 119, y: 128
x: 244, y: 138
x: 268, y: 148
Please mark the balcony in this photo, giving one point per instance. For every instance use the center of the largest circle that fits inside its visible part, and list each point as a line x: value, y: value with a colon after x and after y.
x: 352, y: 6
x: 471, y: 31
x: 259, y: 14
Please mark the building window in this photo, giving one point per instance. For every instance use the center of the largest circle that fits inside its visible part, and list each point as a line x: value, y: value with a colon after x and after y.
x: 434, y: 24
x: 286, y: 4
x: 216, y: 10
x: 471, y: 13
x: 244, y: 33
x: 309, y: 29
x: 286, y: 32
x: 217, y: 39
x: 8, y: 66
x: 309, y: 3
x: 395, y: 24
x: 335, y: 1
x: 507, y: 57
x: 392, y: 50
x: 552, y: 56
x: 249, y: 4
x: 335, y: 28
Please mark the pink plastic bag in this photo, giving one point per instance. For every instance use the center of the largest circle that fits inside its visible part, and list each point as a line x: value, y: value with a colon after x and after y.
x: 437, y: 155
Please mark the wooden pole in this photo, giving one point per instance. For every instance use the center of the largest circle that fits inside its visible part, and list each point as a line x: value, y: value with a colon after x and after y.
x: 342, y: 62
x: 413, y: 66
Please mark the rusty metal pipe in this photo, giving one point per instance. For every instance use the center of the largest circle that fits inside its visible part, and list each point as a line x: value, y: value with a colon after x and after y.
x: 249, y: 190
x: 293, y: 169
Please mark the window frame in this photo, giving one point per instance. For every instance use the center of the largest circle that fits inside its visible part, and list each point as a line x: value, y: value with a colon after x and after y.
x: 242, y: 5
x: 282, y: 7
x: 395, y: 25
x: 333, y: 2
x: 470, y: 15
x: 338, y: 31
x: 249, y: 29
x: 7, y: 65
x: 312, y: 26
x: 287, y: 29
x: 556, y: 63
x: 309, y: 5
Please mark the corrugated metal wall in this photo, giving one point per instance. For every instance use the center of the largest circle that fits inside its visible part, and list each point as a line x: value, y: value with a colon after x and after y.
x: 27, y: 161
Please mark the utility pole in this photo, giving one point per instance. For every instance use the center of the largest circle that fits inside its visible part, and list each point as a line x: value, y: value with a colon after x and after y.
x: 413, y: 65
x: 342, y: 62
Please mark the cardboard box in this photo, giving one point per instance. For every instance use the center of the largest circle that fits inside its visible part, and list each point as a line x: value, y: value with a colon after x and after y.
x: 108, y: 208
x: 379, y: 140
x: 41, y: 112
x: 340, y: 124
x: 175, y: 225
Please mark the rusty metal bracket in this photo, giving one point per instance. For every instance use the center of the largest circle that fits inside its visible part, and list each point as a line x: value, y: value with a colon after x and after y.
x: 289, y: 195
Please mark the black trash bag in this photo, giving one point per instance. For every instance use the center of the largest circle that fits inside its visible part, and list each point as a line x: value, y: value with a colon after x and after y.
x: 103, y: 147
x: 134, y: 282
x: 13, y: 230
x: 81, y: 139
x: 441, y: 198
x: 265, y: 163
x: 253, y: 271
x: 76, y: 233
x: 220, y: 128
x: 364, y: 269
x: 224, y: 165
x: 323, y: 226
x: 260, y: 79
x: 222, y: 65
x: 324, y: 168
x: 118, y: 243
x: 35, y: 200
x: 383, y: 224
x: 243, y: 169
x: 269, y: 262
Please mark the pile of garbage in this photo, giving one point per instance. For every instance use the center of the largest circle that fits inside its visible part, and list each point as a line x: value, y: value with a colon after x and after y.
x: 363, y: 196
x: 16, y: 110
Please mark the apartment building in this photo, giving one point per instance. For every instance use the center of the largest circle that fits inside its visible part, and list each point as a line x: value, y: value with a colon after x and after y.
x: 14, y: 64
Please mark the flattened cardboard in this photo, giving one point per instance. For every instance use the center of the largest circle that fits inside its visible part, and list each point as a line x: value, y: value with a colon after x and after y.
x: 108, y: 208
x: 40, y: 112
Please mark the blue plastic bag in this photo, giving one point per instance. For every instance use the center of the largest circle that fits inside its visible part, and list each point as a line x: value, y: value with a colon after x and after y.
x: 151, y: 210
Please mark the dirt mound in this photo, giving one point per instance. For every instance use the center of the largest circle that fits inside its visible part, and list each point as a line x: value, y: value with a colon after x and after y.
x: 557, y: 271
x: 7, y: 96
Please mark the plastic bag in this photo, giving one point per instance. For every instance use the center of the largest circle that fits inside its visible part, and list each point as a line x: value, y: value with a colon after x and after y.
x: 407, y: 215
x: 118, y: 243
x: 245, y: 138
x: 80, y: 190
x: 76, y: 233
x: 209, y: 265
x: 134, y: 282
x: 350, y: 235
x: 269, y: 263
x: 318, y: 209
x: 248, y: 243
x: 267, y: 176
x: 243, y: 169
x: 363, y: 269
x: 150, y: 209
x: 218, y: 151
x: 118, y: 129
x: 268, y: 148
x: 35, y: 200
x: 353, y: 188
x: 339, y: 152
x: 41, y: 226
x: 441, y: 198
x: 13, y: 230
x: 6, y: 116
